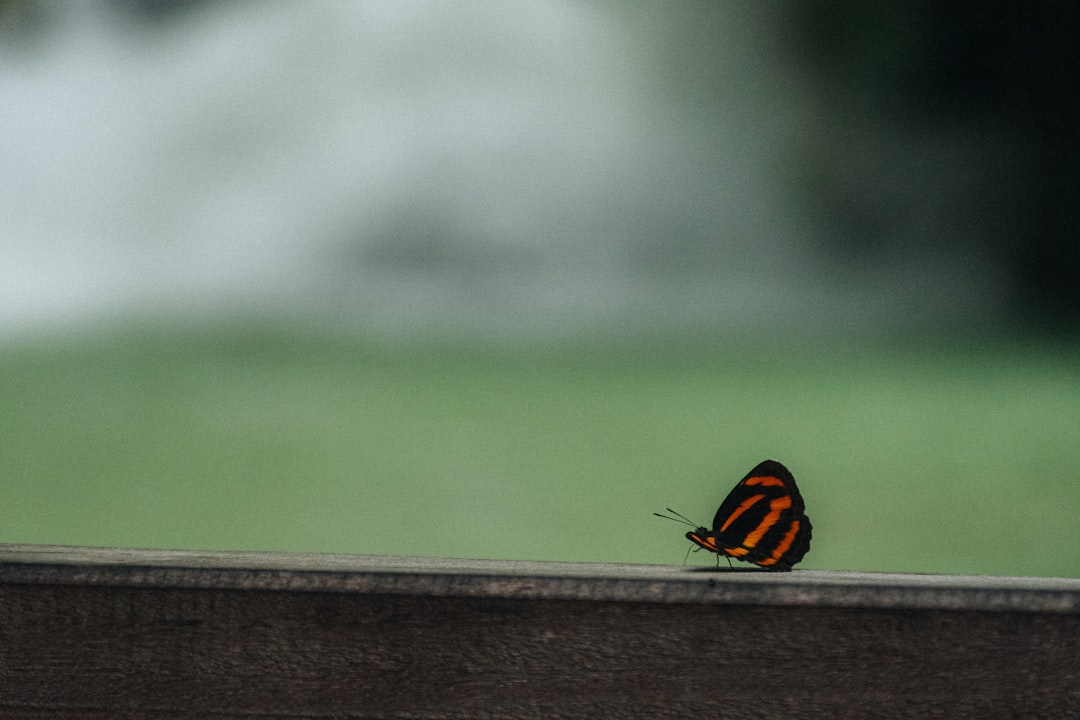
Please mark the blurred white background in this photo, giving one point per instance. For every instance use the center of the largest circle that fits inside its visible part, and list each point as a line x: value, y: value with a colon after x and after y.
x: 489, y: 168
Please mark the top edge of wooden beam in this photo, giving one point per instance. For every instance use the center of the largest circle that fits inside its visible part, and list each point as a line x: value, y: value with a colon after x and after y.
x: 382, y: 574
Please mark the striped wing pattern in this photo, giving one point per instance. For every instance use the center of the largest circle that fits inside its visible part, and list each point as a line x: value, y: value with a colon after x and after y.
x: 762, y: 521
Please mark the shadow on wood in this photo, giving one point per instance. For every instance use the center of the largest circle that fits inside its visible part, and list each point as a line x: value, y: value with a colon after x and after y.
x: 109, y: 633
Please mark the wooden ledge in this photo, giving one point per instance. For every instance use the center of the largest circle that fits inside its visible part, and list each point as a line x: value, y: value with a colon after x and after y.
x: 96, y: 632
x: 445, y: 577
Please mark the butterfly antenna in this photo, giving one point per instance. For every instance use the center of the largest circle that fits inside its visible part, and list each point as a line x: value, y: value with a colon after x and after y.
x: 678, y: 518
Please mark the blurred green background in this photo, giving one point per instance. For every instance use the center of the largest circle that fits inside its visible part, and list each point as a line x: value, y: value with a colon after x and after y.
x: 931, y: 459
x: 375, y: 279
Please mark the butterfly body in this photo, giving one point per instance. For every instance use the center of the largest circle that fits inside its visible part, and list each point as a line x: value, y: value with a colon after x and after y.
x: 762, y: 521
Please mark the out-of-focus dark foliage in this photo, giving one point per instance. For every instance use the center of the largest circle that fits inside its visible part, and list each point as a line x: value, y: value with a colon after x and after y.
x: 151, y: 11
x: 1009, y: 69
x: 22, y: 21
x: 19, y: 20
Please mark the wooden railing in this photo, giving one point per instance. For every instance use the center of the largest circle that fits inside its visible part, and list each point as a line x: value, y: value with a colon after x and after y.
x: 104, y: 633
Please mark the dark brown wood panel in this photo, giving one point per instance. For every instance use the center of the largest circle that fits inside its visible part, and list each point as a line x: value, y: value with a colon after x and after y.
x: 140, y: 646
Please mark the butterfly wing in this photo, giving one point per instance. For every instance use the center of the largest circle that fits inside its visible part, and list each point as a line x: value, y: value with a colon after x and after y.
x: 763, y: 520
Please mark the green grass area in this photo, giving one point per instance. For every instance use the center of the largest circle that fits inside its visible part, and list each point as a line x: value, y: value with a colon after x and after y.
x: 931, y: 459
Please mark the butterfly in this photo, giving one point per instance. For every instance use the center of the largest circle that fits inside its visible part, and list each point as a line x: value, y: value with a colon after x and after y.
x: 762, y: 520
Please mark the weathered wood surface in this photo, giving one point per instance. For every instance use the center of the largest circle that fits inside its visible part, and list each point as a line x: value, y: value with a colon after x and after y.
x: 102, y: 633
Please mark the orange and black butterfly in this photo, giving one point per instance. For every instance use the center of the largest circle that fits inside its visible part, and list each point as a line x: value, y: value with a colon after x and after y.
x: 763, y: 521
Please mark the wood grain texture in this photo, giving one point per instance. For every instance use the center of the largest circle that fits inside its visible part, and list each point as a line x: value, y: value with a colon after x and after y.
x: 121, y: 633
